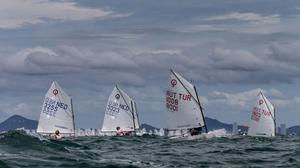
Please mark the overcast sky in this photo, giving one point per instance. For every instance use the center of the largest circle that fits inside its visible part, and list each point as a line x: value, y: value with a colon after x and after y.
x: 230, y: 49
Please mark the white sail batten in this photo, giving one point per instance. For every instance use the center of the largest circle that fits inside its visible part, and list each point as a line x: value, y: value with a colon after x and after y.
x: 182, y: 103
x: 57, y: 112
x: 262, y: 121
x: 120, y: 112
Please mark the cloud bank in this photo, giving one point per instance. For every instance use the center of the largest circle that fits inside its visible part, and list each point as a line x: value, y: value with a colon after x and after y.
x: 19, y: 13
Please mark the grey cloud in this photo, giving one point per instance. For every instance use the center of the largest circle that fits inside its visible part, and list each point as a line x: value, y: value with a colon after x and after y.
x: 288, y: 52
x: 237, y: 65
x: 33, y: 12
x: 237, y: 60
x: 245, y: 99
x: 278, y: 63
x: 253, y: 18
x: 63, y: 59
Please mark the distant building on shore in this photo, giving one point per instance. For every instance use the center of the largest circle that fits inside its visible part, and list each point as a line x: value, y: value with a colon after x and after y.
x: 277, y: 130
x: 281, y: 130
x: 235, y: 129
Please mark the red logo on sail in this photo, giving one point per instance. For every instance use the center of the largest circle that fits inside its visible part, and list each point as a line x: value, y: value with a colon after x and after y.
x: 173, y: 82
x: 55, y: 92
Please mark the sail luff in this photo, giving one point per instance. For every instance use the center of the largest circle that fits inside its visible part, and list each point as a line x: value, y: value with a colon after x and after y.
x: 121, y: 93
x: 202, y: 115
x: 184, y: 86
x: 267, y: 104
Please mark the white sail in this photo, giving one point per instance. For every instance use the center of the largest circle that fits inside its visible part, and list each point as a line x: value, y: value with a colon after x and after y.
x: 182, y: 103
x: 57, y: 112
x: 120, y: 112
x: 262, y: 121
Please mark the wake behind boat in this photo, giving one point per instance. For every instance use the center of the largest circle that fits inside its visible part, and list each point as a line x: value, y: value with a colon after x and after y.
x: 262, y: 121
x: 57, y: 116
x: 120, y: 116
x: 183, y: 108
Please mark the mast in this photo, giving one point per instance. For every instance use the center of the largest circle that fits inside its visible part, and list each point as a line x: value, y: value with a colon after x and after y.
x: 274, y: 123
x: 133, y: 117
x: 198, y: 102
x: 136, y: 113
x: 73, y: 117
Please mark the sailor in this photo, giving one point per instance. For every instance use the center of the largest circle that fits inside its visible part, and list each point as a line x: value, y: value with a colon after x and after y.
x: 195, y: 131
x: 119, y: 131
x: 57, y: 135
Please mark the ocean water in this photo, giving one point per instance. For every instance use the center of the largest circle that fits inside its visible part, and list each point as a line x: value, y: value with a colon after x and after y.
x: 17, y: 149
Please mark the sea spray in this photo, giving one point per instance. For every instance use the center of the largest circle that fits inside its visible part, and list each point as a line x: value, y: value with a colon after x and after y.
x: 217, y: 133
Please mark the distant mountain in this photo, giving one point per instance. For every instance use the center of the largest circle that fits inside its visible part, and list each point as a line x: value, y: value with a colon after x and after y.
x: 17, y: 121
x: 294, y: 130
x: 148, y: 127
x: 213, y: 124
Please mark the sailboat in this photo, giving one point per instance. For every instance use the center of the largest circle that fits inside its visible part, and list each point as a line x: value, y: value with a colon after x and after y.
x: 120, y: 115
x: 184, y: 112
x: 262, y: 121
x: 57, y: 113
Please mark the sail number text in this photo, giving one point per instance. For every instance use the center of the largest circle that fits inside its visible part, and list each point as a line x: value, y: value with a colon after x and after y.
x: 113, y: 108
x: 173, y: 98
x: 52, y: 106
x: 257, y: 112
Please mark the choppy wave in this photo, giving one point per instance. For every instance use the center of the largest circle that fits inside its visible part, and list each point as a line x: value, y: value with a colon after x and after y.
x: 217, y: 133
x: 215, y: 149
